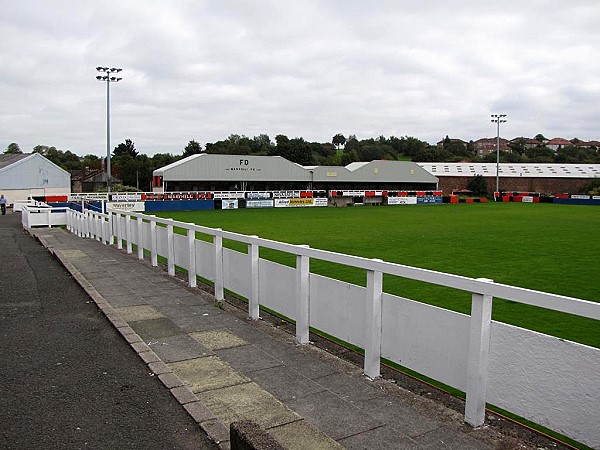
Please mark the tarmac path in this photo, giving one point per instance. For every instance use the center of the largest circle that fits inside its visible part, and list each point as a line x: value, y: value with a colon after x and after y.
x: 67, y: 377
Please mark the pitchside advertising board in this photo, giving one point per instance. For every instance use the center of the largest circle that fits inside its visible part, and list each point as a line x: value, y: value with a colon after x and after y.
x: 128, y: 206
x: 259, y: 203
x: 427, y: 200
x: 402, y: 200
x: 299, y: 202
x: 229, y: 204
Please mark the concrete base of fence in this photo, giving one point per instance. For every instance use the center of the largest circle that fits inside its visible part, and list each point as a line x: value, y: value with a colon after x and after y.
x: 247, y: 435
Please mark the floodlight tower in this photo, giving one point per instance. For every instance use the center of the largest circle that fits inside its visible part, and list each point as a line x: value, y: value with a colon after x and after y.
x: 109, y: 78
x: 498, y: 119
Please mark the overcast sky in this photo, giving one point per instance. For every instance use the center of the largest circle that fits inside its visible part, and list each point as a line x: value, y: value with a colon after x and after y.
x: 206, y: 69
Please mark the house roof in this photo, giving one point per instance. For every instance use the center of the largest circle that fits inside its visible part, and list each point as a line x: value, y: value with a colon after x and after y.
x: 559, y: 141
x: 9, y: 159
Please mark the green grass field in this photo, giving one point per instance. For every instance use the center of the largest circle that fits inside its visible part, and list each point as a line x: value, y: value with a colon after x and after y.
x: 551, y: 248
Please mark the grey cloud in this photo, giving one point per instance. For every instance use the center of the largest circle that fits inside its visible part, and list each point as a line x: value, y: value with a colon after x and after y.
x: 207, y: 69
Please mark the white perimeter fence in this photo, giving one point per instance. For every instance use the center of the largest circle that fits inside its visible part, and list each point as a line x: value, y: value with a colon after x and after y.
x: 550, y: 381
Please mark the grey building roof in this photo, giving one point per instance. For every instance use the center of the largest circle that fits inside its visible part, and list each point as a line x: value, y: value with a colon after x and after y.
x: 30, y: 171
x: 212, y: 167
x: 375, y: 171
x: 529, y: 170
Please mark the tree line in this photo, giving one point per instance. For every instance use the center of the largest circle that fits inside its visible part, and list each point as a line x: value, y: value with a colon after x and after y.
x: 136, y: 169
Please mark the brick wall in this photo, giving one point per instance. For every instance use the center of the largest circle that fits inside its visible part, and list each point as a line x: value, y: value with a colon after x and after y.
x: 542, y: 185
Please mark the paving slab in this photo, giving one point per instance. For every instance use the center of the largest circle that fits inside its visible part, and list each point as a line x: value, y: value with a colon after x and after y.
x: 337, y: 418
x: 449, y: 438
x: 174, y: 310
x: 300, y: 435
x: 126, y: 300
x: 350, y: 389
x: 139, y: 312
x: 247, y: 401
x: 206, y: 321
x: 179, y: 348
x: 203, y: 374
x: 248, y: 358
x: 382, y: 438
x: 397, y: 415
x: 154, y: 329
x: 218, y: 339
x: 285, y: 383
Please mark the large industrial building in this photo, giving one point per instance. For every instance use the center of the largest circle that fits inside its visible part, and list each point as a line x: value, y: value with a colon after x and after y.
x: 211, y: 172
x: 23, y: 175
x: 544, y: 178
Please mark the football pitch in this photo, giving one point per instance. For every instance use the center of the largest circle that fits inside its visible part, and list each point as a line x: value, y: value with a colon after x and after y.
x: 546, y: 247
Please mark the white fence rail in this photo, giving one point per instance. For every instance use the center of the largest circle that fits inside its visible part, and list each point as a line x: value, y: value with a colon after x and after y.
x: 37, y: 214
x: 547, y: 380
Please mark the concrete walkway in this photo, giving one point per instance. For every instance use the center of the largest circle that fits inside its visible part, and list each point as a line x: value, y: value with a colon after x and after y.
x: 68, y: 379
x: 223, y: 368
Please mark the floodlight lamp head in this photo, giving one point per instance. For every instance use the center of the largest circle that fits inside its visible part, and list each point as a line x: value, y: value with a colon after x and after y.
x: 99, y: 69
x: 99, y: 78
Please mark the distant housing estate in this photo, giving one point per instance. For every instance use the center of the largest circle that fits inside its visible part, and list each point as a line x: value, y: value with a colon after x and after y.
x: 485, y: 146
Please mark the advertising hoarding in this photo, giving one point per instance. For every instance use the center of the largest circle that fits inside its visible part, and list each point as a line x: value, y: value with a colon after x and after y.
x: 229, y: 204
x: 259, y: 203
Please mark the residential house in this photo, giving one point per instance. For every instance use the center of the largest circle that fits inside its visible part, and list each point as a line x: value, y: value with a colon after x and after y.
x: 485, y: 146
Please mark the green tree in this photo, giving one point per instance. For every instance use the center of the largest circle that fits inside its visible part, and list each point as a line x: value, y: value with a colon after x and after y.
x: 92, y: 162
x: 261, y: 144
x: 41, y: 149
x: 65, y: 159
x: 13, y: 149
x: 431, y: 154
x: 517, y: 146
x: 349, y: 157
x: 125, y: 148
x: 408, y: 146
x: 478, y: 186
x: 592, y: 188
x: 192, y: 148
x: 338, y: 140
x: 352, y: 144
x: 540, y: 154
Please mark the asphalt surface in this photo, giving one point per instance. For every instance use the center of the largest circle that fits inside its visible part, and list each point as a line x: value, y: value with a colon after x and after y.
x: 67, y: 378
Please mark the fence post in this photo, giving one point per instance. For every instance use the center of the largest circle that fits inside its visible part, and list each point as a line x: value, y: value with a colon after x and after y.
x: 218, y: 248
x: 170, y: 249
x: 254, y: 303
x: 119, y: 231
x: 90, y: 221
x: 372, y: 366
x: 191, y: 235
x: 105, y: 231
x: 140, y: 236
x: 479, y: 351
x: 153, y: 251
x: 97, y: 227
x: 128, y: 233
x: 302, y: 298
x: 110, y: 228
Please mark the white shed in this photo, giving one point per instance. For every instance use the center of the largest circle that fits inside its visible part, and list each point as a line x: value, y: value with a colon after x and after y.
x: 22, y: 175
